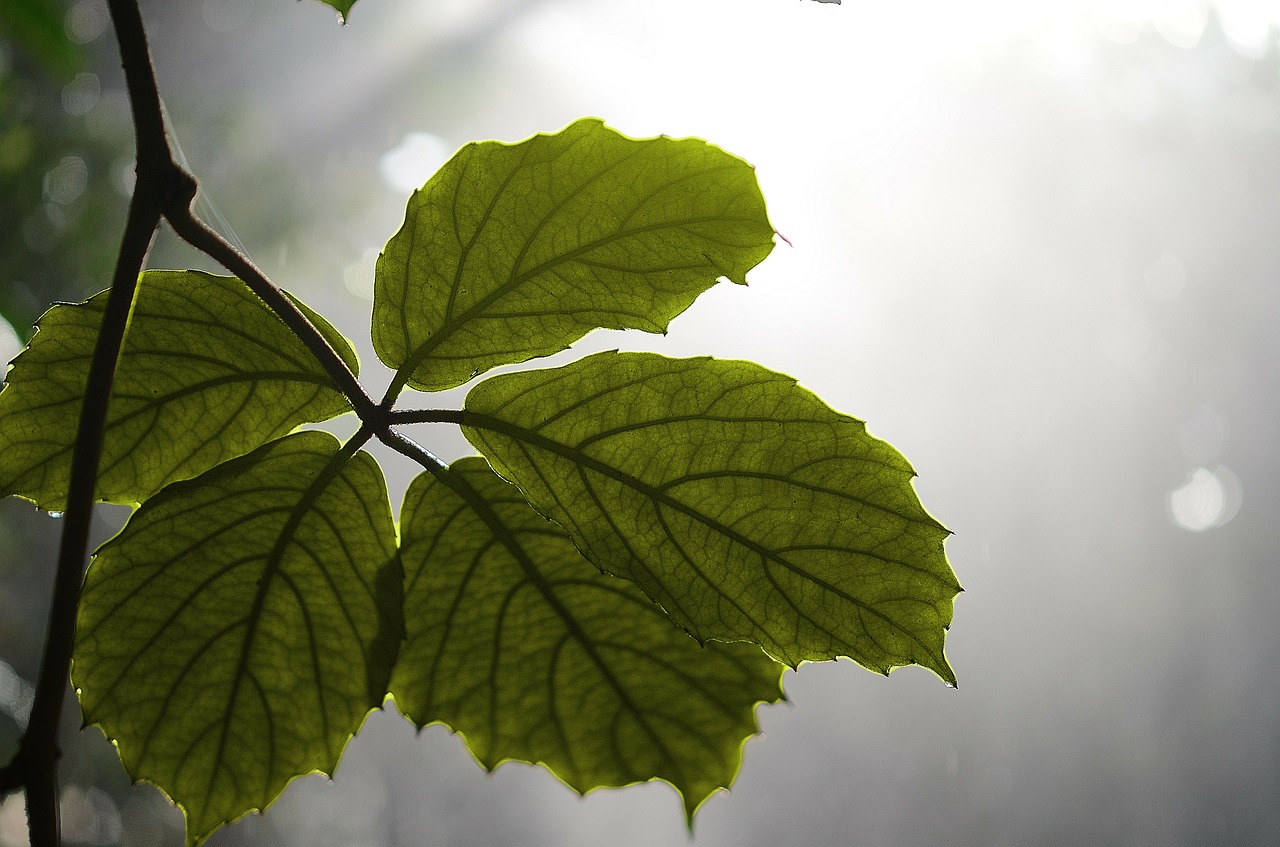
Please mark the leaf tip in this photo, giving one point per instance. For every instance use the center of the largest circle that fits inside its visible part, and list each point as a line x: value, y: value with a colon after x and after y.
x: 943, y: 669
x: 343, y: 8
x: 692, y: 805
x: 689, y: 812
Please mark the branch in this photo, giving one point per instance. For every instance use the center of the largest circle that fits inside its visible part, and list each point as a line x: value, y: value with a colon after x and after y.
x: 12, y: 777
x: 39, y: 753
x: 160, y: 183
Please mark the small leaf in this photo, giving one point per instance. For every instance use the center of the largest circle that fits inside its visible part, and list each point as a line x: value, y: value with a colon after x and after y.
x: 344, y: 6
x: 523, y: 646
x: 207, y: 372
x: 513, y: 251
x: 240, y: 627
x: 735, y: 499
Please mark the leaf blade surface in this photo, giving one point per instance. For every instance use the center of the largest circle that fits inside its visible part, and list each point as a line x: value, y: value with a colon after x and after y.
x: 520, y: 644
x: 513, y: 251
x: 240, y: 627
x: 738, y: 501
x: 207, y: 372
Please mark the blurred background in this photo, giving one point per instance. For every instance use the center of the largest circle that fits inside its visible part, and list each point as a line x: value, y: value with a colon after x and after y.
x: 1035, y: 248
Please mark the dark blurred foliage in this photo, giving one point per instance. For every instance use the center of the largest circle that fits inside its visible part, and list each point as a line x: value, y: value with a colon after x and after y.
x: 36, y: 27
x: 65, y: 158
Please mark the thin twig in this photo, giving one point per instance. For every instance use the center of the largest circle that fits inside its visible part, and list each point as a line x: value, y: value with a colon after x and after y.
x: 205, y: 239
x: 412, y: 416
x: 407, y: 446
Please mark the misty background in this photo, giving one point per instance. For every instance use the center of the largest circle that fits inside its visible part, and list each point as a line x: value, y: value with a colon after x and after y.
x: 1035, y: 249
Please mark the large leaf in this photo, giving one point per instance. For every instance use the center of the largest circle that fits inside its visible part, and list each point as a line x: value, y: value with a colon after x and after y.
x: 523, y: 646
x: 513, y: 251
x: 207, y: 372
x: 240, y: 627
x: 734, y: 498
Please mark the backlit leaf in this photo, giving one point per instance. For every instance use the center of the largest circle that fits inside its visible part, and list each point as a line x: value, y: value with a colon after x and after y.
x: 513, y: 251
x: 240, y: 627
x: 524, y: 647
x: 738, y: 501
x: 207, y: 372
x: 344, y: 6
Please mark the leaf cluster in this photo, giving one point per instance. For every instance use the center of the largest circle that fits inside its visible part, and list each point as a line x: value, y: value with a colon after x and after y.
x: 609, y: 590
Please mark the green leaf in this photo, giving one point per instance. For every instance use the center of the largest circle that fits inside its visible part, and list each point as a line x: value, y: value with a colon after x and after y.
x: 207, y: 372
x: 513, y: 251
x: 734, y: 498
x: 344, y: 6
x: 525, y: 648
x: 240, y: 627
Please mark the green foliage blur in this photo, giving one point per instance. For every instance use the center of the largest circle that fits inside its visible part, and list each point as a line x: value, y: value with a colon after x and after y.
x: 65, y: 158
